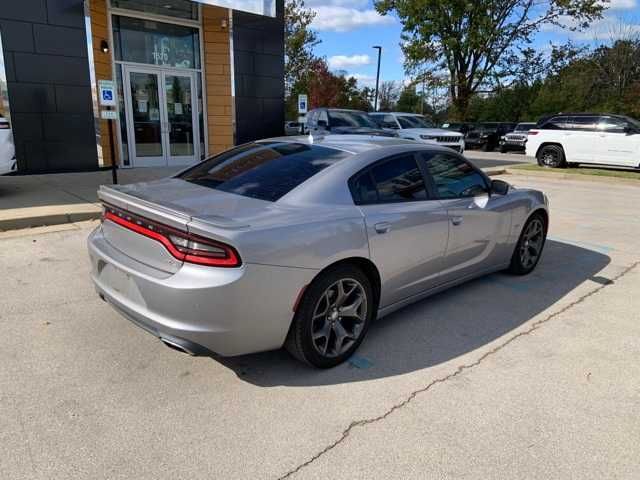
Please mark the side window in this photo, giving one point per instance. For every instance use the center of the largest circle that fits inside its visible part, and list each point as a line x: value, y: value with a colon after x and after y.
x: 612, y: 125
x: 395, y: 180
x: 584, y: 124
x: 323, y: 116
x: 311, y: 119
x: 454, y: 177
x: 386, y: 121
x: 557, y: 123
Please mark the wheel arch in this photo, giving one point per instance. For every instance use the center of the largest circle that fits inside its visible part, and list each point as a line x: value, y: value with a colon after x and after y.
x: 547, y: 144
x: 367, y: 267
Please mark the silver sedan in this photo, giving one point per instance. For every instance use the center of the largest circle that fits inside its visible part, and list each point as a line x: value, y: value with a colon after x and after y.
x: 303, y: 242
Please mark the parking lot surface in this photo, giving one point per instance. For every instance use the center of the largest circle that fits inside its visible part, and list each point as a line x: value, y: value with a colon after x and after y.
x: 503, y: 377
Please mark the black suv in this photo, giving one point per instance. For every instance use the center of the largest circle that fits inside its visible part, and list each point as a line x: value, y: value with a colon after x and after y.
x: 487, y: 135
x: 343, y: 122
x: 462, y: 127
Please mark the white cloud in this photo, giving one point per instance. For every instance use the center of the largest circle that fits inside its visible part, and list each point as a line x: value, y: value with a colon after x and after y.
x: 608, y: 29
x: 622, y: 4
x: 339, y: 18
x: 364, y: 80
x: 345, y: 61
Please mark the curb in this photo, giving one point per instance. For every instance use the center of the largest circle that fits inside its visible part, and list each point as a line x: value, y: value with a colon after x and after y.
x: 572, y: 176
x: 47, y: 219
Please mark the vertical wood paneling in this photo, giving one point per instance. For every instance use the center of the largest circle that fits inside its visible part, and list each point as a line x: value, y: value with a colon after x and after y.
x: 217, y: 71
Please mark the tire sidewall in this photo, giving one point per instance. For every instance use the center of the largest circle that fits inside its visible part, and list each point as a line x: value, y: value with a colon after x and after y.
x: 516, y: 263
x: 304, y: 314
x: 554, y: 148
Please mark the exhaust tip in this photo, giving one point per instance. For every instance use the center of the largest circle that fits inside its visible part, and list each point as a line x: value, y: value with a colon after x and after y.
x: 176, y: 346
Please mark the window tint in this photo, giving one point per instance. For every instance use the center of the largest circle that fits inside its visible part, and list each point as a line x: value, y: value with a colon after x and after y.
x: 345, y: 118
x: 396, y: 180
x: 557, y: 123
x: 613, y: 124
x: 385, y: 121
x: 455, y: 178
x: 266, y: 171
x: 587, y: 124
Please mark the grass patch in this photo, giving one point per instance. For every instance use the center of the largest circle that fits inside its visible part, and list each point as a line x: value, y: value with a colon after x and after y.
x: 599, y: 172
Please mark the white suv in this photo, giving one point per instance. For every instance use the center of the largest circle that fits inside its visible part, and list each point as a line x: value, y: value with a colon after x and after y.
x: 415, y: 127
x: 7, y: 150
x: 569, y: 139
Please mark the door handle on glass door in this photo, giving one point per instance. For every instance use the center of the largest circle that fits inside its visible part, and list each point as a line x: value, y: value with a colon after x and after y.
x: 382, y: 227
x: 456, y: 220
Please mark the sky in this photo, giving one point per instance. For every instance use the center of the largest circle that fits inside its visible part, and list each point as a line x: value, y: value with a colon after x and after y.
x: 350, y: 28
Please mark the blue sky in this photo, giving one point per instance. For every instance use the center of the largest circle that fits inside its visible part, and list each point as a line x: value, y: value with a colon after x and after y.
x: 349, y: 28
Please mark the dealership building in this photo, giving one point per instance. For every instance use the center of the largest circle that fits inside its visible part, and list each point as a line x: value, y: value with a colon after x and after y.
x: 189, y: 79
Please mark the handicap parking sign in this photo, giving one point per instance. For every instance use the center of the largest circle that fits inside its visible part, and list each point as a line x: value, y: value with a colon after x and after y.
x: 107, y: 94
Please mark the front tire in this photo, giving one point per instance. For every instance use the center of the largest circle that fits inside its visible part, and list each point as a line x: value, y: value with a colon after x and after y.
x: 332, y: 318
x: 551, y: 156
x: 530, y: 245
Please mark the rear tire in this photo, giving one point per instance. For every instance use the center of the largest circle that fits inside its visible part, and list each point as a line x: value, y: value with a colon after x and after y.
x: 332, y: 318
x: 529, y: 248
x: 551, y: 156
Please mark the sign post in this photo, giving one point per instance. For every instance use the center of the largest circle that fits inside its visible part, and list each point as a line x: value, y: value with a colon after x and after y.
x: 107, y: 98
x: 303, y: 108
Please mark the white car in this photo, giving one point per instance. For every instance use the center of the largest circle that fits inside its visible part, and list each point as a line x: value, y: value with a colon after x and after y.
x: 7, y: 149
x: 573, y: 138
x: 414, y: 126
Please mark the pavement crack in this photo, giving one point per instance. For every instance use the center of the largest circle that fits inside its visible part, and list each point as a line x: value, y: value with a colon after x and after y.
x: 459, y: 370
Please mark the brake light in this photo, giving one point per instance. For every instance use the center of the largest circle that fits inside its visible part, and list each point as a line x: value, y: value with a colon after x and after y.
x: 533, y: 132
x: 184, y: 246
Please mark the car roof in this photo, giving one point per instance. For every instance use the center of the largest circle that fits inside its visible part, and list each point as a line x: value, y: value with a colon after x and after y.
x: 353, y: 144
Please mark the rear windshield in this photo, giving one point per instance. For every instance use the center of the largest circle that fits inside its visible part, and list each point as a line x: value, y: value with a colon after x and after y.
x: 266, y: 171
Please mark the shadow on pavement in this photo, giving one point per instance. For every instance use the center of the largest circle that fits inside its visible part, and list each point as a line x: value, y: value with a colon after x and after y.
x: 439, y: 328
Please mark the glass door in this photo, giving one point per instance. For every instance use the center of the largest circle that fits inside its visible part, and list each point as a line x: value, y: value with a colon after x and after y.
x: 181, y: 119
x: 145, y: 112
x: 161, y: 112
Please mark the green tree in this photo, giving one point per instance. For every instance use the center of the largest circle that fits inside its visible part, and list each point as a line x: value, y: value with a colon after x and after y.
x: 474, y: 40
x: 298, y: 46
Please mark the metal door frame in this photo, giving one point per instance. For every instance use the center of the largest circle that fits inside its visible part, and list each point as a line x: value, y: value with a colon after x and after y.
x: 166, y: 159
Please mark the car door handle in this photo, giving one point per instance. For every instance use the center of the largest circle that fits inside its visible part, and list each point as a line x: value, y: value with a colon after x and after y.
x: 382, y: 227
x: 456, y: 220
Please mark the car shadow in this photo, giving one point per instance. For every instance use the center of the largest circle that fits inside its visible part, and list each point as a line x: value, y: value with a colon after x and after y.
x: 439, y: 328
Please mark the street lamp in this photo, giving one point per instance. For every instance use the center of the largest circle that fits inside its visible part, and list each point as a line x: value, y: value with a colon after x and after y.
x: 375, y: 102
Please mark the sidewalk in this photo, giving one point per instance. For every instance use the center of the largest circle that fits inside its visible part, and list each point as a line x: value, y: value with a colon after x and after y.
x: 37, y: 200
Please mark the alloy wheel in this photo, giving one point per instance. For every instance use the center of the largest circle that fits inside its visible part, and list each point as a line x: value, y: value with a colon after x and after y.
x: 550, y: 159
x: 532, y: 242
x: 339, y: 317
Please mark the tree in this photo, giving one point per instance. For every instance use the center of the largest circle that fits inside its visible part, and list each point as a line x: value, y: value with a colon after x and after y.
x: 299, y: 41
x: 474, y: 40
x: 388, y: 94
x: 298, y: 46
x: 327, y: 89
x: 409, y: 100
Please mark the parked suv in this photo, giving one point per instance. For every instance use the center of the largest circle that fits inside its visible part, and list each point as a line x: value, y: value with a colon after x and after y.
x: 517, y: 139
x: 462, y: 127
x: 342, y: 122
x: 572, y: 138
x: 416, y: 127
x: 7, y: 149
x: 487, y: 135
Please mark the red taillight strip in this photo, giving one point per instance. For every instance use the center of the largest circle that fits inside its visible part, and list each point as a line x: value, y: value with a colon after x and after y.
x: 231, y: 260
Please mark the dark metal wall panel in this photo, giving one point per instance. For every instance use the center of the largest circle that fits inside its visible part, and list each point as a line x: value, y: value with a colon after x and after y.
x: 258, y: 50
x: 47, y: 70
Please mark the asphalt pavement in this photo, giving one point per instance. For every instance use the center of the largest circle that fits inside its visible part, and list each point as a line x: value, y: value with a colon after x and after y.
x: 503, y: 377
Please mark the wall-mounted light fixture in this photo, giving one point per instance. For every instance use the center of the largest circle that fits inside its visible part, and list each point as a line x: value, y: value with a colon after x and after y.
x: 104, y: 46
x: 224, y: 24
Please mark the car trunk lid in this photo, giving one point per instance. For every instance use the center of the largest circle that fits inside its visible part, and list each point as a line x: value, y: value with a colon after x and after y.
x: 176, y: 204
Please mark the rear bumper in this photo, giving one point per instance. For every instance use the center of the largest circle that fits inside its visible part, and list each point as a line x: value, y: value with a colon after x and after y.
x: 230, y: 311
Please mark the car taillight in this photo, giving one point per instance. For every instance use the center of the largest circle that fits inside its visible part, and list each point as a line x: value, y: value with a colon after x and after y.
x: 532, y: 132
x: 184, y: 246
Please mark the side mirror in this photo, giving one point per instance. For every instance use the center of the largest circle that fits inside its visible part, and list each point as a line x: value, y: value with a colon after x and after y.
x: 499, y: 187
x: 323, y: 124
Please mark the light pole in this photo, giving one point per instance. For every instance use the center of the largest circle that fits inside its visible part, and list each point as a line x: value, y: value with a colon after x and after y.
x: 375, y: 102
